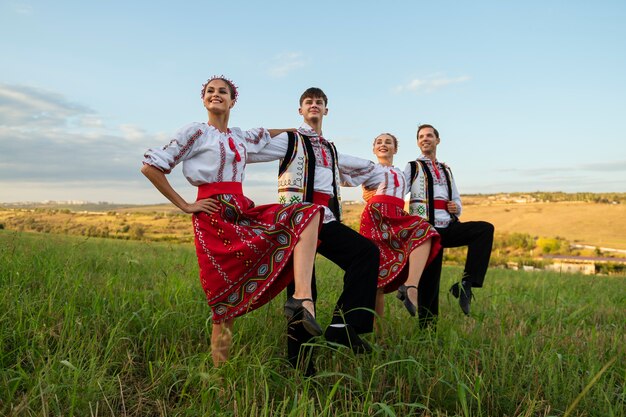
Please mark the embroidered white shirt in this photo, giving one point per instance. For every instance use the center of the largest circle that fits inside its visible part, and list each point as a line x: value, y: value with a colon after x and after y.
x: 207, y: 154
x: 440, y: 191
x: 353, y: 171
x: 394, y: 182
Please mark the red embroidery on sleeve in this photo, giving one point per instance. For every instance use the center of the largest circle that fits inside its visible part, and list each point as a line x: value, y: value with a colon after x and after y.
x: 185, y: 148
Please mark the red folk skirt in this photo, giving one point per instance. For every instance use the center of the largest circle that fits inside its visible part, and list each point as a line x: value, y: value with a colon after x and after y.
x: 397, y: 234
x: 245, y: 252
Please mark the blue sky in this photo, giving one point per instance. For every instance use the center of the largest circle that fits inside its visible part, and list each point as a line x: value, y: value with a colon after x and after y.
x: 527, y: 96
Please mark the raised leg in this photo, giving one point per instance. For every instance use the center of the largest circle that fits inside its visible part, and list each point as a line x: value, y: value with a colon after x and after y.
x: 303, y: 261
x: 417, y: 263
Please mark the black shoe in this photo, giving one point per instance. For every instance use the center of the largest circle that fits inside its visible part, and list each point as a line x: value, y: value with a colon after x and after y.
x: 295, y: 312
x: 463, y: 291
x: 404, y: 297
x: 347, y: 336
x: 454, y: 289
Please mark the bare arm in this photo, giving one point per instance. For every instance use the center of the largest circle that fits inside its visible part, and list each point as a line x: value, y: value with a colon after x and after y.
x: 159, y: 180
x: 276, y: 132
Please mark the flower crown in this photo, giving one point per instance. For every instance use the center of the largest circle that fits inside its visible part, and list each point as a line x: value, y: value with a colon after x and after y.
x: 231, y: 84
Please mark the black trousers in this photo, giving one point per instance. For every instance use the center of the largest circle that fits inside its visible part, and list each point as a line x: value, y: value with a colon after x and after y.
x: 359, y: 258
x: 478, y: 237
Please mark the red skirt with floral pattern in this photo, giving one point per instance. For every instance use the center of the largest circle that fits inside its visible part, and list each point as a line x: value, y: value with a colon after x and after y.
x: 397, y: 234
x: 245, y: 252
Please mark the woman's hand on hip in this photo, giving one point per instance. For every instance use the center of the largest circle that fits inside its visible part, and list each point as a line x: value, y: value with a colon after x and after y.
x: 206, y: 205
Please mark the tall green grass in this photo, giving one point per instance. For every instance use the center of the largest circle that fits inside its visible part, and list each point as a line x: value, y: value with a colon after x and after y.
x: 95, y: 327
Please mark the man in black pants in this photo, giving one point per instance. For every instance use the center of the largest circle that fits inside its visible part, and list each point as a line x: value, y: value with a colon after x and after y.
x: 312, y: 170
x: 434, y: 196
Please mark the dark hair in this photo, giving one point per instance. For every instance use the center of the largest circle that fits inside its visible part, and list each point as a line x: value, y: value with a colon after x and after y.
x: 232, y: 88
x: 314, y: 92
x: 395, y: 141
x: 420, y: 127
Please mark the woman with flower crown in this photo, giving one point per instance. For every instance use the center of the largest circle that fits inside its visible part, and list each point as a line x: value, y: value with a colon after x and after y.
x: 406, y: 243
x: 247, y: 254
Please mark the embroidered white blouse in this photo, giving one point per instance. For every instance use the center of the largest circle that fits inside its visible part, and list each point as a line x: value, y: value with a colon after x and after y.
x: 207, y: 154
x: 394, y: 182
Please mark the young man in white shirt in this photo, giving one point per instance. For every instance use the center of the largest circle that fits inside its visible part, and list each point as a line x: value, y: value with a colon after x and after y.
x: 434, y: 196
x: 312, y: 170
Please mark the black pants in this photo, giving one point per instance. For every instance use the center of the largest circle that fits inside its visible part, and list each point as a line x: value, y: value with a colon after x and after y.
x: 359, y: 258
x: 478, y: 237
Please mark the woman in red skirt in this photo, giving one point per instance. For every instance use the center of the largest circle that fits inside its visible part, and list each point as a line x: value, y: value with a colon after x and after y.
x: 247, y: 254
x: 407, y: 243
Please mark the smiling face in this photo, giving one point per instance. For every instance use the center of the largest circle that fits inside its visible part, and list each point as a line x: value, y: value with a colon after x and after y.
x: 218, y: 97
x: 427, y: 141
x: 313, y: 109
x: 385, y: 147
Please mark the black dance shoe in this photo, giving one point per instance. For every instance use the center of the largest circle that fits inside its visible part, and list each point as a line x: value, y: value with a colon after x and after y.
x: 463, y: 291
x: 295, y: 312
x: 347, y: 336
x: 404, y: 297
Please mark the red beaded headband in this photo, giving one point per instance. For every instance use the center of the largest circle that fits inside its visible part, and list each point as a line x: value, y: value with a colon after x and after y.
x: 231, y: 84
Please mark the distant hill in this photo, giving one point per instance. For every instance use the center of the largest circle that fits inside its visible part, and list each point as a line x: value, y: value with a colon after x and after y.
x: 92, y: 207
x: 595, y: 224
x: 580, y: 218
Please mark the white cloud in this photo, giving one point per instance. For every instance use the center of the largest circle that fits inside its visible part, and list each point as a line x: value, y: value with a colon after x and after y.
x: 430, y: 84
x: 32, y: 108
x: 22, y: 7
x: 54, y: 149
x: 133, y: 133
x: 90, y: 122
x: 286, y: 63
x: 48, y: 139
x: 606, y: 166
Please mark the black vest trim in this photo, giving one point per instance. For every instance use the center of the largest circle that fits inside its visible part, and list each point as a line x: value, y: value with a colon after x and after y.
x: 310, y: 170
x: 333, y: 204
x: 413, y: 165
x: 291, y: 141
x: 431, y: 193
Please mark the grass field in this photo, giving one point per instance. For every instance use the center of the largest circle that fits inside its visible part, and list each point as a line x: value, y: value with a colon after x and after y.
x: 102, y: 327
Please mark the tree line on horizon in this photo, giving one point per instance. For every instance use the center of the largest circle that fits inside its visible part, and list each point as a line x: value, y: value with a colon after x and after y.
x: 520, y: 248
x: 559, y: 196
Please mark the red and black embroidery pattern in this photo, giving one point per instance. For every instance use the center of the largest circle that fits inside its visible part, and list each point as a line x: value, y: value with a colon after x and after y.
x: 185, y: 148
x: 244, y: 252
x: 220, y: 171
x: 396, y: 234
x: 255, y: 138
